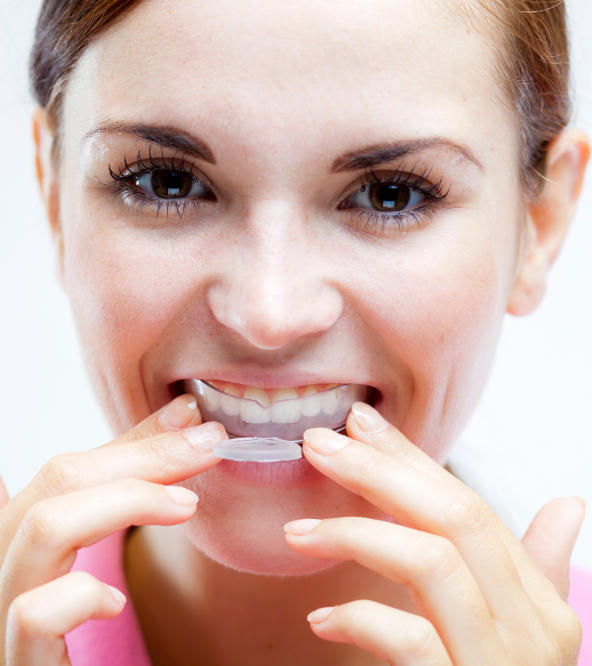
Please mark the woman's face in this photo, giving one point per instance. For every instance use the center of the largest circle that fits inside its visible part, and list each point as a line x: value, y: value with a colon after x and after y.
x: 279, y: 269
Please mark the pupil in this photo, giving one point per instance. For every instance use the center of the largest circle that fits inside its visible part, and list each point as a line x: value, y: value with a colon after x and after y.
x: 390, y: 197
x: 168, y: 184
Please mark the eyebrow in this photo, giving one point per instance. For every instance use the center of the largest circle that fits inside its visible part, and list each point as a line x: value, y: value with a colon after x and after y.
x: 165, y: 136
x: 373, y: 155
x: 380, y: 154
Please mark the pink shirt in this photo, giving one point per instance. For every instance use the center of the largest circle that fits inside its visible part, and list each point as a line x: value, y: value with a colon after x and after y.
x: 118, y: 642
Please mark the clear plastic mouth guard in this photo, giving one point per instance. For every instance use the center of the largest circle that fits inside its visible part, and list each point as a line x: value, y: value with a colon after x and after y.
x: 260, y: 449
x: 285, y: 418
x: 266, y: 428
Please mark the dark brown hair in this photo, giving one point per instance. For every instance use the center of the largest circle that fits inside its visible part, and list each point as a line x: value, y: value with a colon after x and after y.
x: 533, y: 66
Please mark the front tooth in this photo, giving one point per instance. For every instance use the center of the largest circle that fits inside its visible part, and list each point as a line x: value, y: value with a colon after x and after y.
x: 261, y: 396
x: 230, y: 400
x: 253, y: 408
x: 310, y: 402
x: 330, y: 401
x: 285, y: 407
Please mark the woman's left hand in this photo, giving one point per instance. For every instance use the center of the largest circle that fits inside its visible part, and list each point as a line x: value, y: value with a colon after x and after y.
x: 484, y: 597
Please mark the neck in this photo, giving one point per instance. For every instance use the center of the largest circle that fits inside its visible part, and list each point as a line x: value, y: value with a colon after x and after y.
x: 216, y: 615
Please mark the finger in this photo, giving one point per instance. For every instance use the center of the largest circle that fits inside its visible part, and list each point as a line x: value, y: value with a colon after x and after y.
x: 182, y: 412
x: 167, y: 458
x: 389, y: 634
x: 551, y: 537
x: 420, y: 501
x: 442, y: 586
x: 45, y: 544
x: 60, y: 475
x: 367, y: 425
x: 38, y: 620
x: 4, y: 496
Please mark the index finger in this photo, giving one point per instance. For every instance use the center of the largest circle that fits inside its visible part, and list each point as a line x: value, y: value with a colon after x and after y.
x: 401, y: 479
x: 168, y: 457
x: 391, y: 441
x: 182, y: 412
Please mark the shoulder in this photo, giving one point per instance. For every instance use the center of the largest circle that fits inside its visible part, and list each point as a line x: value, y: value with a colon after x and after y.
x: 116, y: 642
x: 580, y: 600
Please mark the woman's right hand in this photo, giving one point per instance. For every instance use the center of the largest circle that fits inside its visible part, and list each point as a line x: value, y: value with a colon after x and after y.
x: 78, y: 499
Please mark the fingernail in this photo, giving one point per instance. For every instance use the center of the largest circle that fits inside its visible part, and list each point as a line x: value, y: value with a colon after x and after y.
x: 118, y: 596
x: 182, y: 496
x: 301, y: 526
x: 178, y: 413
x: 324, y: 441
x: 203, y: 437
x: 320, y: 615
x: 367, y: 418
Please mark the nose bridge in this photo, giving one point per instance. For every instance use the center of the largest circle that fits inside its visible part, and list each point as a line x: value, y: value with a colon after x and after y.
x: 275, y: 289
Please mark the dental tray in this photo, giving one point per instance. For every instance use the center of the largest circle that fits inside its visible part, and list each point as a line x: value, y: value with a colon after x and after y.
x: 258, y: 449
x: 285, y: 419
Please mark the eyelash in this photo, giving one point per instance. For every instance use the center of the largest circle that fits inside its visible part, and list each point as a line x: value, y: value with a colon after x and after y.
x: 433, y: 193
x: 137, y: 199
x: 417, y: 180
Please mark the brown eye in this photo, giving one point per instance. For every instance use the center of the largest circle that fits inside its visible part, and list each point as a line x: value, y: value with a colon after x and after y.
x: 387, y: 197
x: 170, y: 184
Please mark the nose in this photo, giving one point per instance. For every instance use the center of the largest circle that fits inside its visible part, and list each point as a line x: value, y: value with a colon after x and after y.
x: 275, y: 288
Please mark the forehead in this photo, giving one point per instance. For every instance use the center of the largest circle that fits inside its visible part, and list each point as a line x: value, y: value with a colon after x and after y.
x: 275, y: 72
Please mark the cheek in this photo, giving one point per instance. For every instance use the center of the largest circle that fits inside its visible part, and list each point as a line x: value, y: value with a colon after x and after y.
x: 437, y: 314
x: 124, y: 291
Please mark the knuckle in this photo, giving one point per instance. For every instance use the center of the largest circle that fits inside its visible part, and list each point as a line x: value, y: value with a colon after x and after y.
x: 86, y: 583
x: 468, y: 514
x: 436, y: 556
x: 23, y: 617
x: 162, y: 450
x: 420, y: 637
x: 62, y: 473
x: 39, y: 524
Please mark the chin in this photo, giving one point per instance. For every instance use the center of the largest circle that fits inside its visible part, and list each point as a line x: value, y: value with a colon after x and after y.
x: 241, y: 526
x: 249, y: 553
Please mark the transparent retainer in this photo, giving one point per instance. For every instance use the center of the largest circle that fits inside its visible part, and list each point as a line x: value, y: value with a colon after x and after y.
x: 254, y: 437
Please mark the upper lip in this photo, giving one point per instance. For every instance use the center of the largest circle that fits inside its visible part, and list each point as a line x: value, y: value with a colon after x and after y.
x: 268, y: 380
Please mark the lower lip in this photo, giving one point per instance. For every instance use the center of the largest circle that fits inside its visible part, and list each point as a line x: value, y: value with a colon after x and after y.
x: 274, y: 474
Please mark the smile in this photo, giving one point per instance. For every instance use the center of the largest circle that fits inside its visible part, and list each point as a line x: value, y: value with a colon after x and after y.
x: 248, y: 411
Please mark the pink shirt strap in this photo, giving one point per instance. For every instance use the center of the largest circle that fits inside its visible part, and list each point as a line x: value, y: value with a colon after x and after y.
x: 116, y: 642
x: 580, y: 600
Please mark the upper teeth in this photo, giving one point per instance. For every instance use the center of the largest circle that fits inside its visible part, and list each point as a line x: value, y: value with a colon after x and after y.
x: 305, y: 406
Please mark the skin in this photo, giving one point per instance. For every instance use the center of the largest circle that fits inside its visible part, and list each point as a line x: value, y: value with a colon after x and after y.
x: 415, y: 313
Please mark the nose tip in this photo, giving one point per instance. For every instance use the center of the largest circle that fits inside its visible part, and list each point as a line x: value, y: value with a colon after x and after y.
x: 269, y: 319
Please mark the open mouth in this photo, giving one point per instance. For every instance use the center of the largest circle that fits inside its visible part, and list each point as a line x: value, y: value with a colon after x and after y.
x: 248, y: 411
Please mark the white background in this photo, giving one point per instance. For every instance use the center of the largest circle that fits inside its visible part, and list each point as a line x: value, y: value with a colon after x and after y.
x: 529, y: 441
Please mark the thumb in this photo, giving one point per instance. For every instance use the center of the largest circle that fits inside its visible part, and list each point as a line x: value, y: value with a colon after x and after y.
x: 551, y: 537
